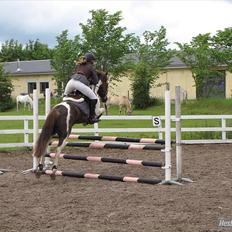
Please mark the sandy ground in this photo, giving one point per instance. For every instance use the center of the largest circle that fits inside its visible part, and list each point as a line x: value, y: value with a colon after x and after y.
x: 28, y: 204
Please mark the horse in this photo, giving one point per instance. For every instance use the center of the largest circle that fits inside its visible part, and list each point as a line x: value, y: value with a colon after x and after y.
x: 26, y: 100
x: 122, y: 102
x: 60, y: 121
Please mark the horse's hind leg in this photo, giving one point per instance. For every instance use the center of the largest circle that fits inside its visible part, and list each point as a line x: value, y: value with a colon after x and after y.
x: 47, y: 160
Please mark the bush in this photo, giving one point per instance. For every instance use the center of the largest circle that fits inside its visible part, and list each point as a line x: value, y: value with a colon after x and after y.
x: 141, y: 84
x: 6, y: 88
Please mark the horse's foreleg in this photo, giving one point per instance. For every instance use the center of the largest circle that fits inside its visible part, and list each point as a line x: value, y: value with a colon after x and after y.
x: 59, y: 148
x: 35, y: 163
x: 37, y: 166
x: 58, y: 152
x: 120, y: 109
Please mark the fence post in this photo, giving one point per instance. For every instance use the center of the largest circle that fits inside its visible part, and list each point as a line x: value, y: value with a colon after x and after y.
x: 168, y: 164
x: 223, y: 125
x: 47, y: 101
x: 35, y: 116
x: 26, y: 135
x: 167, y: 136
x: 96, y: 129
x: 178, y: 134
x: 160, y: 132
x: 47, y: 160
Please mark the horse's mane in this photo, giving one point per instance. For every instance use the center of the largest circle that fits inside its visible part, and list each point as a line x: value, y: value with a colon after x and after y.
x: 101, y: 74
x: 82, y: 60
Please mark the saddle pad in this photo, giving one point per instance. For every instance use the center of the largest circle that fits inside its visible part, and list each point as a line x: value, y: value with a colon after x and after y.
x: 83, y: 106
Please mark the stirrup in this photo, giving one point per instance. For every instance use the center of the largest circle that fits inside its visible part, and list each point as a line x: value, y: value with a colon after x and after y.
x: 93, y: 120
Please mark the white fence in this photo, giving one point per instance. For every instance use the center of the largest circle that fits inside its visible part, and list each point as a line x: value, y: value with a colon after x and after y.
x: 96, y: 129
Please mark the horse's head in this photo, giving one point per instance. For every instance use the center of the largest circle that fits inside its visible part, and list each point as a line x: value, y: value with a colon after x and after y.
x: 102, y: 85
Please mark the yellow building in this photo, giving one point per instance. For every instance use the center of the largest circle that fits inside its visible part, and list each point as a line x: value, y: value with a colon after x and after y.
x: 176, y: 73
x: 28, y: 75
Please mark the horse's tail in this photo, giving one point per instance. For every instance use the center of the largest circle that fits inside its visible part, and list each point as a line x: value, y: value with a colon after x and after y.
x: 46, y: 134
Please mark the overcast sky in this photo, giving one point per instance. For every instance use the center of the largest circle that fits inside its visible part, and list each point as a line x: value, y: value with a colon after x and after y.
x: 44, y: 20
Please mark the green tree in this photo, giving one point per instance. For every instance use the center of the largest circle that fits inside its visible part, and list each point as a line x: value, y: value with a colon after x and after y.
x: 223, y: 45
x: 203, y: 59
x: 63, y: 62
x: 11, y: 51
x: 107, y: 40
x: 152, y: 56
x: 5, y: 90
x: 35, y: 50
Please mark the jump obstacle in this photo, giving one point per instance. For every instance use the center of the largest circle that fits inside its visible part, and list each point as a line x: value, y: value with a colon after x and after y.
x: 103, y: 177
x: 98, y: 145
x: 167, y: 150
x: 108, y: 160
x: 116, y: 139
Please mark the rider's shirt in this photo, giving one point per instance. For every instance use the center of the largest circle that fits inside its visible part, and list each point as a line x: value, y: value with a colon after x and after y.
x: 88, y: 71
x: 81, y: 78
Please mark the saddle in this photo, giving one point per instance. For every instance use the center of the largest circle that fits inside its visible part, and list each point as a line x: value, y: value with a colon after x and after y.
x: 78, y: 100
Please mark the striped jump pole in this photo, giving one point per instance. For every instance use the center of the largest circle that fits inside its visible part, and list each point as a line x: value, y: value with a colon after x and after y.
x: 115, y: 138
x: 98, y: 145
x: 108, y: 160
x: 103, y: 177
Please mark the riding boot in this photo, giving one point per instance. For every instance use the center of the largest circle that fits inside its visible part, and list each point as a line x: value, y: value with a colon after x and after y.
x: 92, y: 117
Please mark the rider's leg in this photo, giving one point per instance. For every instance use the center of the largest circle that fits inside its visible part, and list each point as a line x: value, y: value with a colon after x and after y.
x: 70, y: 87
x: 85, y: 90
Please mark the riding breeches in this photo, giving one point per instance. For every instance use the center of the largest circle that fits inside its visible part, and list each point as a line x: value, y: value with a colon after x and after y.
x: 77, y: 85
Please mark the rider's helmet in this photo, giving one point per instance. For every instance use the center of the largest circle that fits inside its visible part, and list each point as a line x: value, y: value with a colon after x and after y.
x: 89, y: 57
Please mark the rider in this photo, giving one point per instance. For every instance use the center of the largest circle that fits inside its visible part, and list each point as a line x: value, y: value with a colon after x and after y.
x: 85, y: 75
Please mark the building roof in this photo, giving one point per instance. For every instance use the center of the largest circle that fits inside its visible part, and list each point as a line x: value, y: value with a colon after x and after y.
x: 176, y: 63
x: 44, y: 66
x: 28, y: 67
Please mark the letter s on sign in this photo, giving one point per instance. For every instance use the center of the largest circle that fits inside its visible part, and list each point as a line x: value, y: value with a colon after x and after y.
x: 156, y: 121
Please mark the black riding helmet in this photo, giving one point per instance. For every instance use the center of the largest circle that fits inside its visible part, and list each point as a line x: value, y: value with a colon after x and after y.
x: 89, y: 57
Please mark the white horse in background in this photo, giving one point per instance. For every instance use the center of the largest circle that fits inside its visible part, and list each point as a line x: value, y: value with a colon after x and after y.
x: 26, y: 100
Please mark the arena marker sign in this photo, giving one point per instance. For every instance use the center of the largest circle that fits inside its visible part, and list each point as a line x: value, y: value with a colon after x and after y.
x: 156, y: 121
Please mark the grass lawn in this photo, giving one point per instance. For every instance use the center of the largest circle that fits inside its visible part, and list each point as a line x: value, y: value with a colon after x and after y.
x: 191, y: 107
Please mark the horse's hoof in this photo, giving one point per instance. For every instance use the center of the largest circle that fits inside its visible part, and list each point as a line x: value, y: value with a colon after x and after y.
x: 38, y: 174
x: 53, y: 175
x: 40, y: 167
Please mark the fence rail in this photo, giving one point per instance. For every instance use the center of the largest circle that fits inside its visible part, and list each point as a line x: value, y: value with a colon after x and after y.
x: 96, y: 130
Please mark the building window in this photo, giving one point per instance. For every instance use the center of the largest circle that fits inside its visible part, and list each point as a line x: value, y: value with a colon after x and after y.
x: 31, y: 86
x: 44, y: 86
x: 214, y: 85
